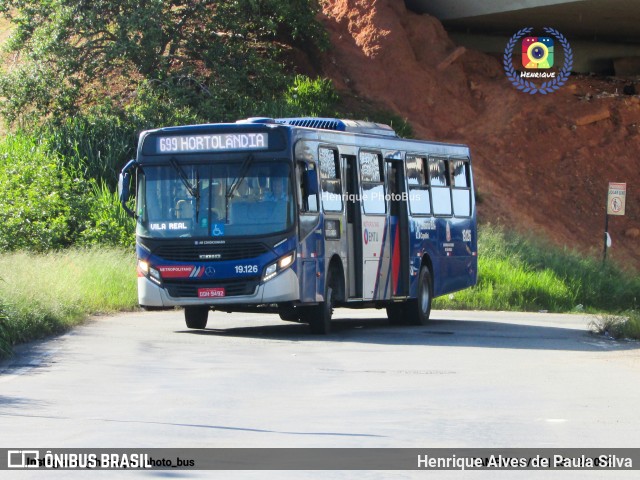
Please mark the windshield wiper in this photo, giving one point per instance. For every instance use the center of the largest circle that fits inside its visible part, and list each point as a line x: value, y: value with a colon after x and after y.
x: 244, y: 168
x: 194, y: 192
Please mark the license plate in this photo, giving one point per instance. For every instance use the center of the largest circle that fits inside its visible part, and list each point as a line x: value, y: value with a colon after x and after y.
x: 211, y: 292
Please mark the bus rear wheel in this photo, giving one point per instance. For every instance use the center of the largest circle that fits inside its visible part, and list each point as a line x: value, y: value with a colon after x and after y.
x: 419, y: 309
x: 196, y: 317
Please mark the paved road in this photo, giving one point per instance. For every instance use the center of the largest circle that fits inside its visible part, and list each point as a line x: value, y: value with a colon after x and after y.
x: 469, y: 379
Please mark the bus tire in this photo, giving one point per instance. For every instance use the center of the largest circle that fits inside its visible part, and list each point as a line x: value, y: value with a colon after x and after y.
x: 320, y: 318
x: 419, y: 309
x: 196, y: 317
x: 397, y: 314
x: 288, y: 313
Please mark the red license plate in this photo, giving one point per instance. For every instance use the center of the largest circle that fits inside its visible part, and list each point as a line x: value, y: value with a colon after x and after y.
x: 211, y: 292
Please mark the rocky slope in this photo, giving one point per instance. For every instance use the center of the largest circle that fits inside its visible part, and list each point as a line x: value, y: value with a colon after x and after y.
x: 542, y: 162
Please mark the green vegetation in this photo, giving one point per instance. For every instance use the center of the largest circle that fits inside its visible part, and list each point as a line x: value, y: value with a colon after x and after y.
x: 43, y: 202
x: 517, y: 273
x: 49, y: 203
x: 45, y: 294
x: 107, y: 223
x: 207, y: 56
x: 311, y: 98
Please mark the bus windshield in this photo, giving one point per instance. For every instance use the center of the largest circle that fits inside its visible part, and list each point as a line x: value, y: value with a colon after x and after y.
x: 183, y: 200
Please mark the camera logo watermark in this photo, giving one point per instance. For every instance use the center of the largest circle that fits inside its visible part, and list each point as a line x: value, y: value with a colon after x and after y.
x: 538, y: 58
x: 537, y: 52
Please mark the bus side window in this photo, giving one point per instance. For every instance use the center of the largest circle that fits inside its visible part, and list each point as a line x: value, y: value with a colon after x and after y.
x: 330, y: 175
x: 308, y: 184
x: 307, y: 197
x: 373, y: 191
x: 418, y: 181
x: 440, y: 186
x: 460, y: 188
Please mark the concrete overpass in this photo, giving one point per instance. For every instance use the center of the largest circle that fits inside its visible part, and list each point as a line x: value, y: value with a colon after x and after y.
x: 604, y: 34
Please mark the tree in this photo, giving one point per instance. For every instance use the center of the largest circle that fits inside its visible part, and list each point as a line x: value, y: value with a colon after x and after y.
x: 210, y: 53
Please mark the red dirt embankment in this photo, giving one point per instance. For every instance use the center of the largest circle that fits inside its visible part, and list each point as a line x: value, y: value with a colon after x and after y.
x: 542, y: 162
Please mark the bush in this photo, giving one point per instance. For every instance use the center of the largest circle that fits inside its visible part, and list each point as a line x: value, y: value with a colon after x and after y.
x: 108, y: 223
x: 626, y: 325
x: 43, y: 203
x: 96, y: 143
x: 157, y: 104
x: 312, y: 98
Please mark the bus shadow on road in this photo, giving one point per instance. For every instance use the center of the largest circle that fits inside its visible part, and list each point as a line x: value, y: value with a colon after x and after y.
x: 460, y: 333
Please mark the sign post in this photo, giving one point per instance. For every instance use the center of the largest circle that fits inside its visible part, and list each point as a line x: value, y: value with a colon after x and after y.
x: 616, y: 197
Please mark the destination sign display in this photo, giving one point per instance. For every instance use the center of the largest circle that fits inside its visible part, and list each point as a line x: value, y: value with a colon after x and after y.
x: 212, y: 142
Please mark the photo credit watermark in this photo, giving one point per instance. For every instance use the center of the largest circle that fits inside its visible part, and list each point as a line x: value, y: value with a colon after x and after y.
x: 373, y: 196
x: 321, y: 459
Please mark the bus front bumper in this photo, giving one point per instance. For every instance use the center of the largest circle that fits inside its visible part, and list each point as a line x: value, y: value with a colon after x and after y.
x: 282, y: 288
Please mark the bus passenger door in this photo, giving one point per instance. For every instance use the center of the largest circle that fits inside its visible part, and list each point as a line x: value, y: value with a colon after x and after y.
x: 354, y: 227
x: 310, y: 248
x: 374, y: 223
x: 398, y: 233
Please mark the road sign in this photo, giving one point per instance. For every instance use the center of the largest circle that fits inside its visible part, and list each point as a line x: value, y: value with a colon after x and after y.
x: 616, y: 198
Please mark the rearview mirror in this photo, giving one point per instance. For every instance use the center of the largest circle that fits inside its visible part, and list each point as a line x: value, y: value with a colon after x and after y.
x: 124, y: 181
x: 123, y: 187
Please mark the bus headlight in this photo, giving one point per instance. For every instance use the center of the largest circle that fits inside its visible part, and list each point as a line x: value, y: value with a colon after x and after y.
x: 148, y: 271
x: 154, y: 274
x: 144, y: 267
x: 276, y: 267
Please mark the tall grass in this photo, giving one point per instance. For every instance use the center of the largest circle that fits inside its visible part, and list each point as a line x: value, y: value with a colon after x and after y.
x: 518, y: 273
x: 44, y: 294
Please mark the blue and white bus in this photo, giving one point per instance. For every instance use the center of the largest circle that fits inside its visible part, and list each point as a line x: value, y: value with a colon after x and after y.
x: 298, y: 216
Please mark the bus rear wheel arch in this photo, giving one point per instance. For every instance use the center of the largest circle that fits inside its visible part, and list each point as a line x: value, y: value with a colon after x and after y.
x: 196, y: 317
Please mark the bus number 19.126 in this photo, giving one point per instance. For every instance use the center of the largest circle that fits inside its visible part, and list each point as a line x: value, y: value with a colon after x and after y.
x: 246, y: 268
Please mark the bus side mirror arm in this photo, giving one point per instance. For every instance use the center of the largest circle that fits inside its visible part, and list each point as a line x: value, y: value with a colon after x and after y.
x: 124, y: 192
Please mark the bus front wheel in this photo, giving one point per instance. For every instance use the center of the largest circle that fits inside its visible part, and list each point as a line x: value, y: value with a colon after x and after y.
x: 320, y: 318
x: 419, y: 309
x: 288, y: 313
x: 196, y: 317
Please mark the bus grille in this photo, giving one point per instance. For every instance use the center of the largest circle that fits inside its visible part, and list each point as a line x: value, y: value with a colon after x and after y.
x: 232, y: 287
x: 203, y: 253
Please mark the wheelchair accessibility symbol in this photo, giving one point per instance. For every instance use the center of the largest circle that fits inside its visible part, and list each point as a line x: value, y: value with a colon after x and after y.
x: 217, y: 229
